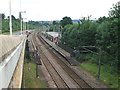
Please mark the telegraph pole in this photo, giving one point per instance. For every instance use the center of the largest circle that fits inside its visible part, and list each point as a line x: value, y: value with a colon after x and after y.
x: 99, y: 63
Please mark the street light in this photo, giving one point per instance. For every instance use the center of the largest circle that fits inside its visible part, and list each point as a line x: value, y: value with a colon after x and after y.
x: 10, y: 22
x: 24, y: 23
x: 21, y: 19
x: 0, y: 24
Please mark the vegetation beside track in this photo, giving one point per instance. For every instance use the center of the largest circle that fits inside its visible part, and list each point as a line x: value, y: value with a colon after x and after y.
x: 106, y: 77
x: 30, y: 80
x: 29, y: 76
x: 29, y: 72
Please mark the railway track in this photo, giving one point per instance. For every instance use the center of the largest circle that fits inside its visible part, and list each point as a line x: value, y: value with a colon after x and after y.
x: 62, y: 75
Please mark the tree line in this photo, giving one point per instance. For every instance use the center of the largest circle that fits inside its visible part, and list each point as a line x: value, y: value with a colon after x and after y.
x: 102, y: 33
x: 16, y: 24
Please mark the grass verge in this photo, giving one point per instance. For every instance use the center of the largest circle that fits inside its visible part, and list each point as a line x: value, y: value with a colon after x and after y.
x: 107, y: 78
x: 29, y: 79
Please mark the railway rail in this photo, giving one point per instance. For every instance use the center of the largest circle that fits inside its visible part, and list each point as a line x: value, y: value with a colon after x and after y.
x: 62, y: 75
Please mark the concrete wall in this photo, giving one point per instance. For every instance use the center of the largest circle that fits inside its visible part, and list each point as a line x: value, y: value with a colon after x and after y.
x: 7, y: 66
x: 7, y: 44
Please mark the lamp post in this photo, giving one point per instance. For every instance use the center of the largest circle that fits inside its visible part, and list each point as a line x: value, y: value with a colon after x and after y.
x: 24, y: 23
x: 21, y: 20
x: 10, y: 22
x: 21, y: 23
x: 0, y: 24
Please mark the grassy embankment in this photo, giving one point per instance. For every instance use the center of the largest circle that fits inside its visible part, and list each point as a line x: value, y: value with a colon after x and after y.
x: 29, y: 79
x: 106, y: 77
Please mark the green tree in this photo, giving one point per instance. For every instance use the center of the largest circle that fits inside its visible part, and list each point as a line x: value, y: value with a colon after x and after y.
x: 54, y: 23
x: 114, y: 15
x: 80, y: 34
x: 65, y: 21
x: 102, y: 19
x: 13, y: 17
x: 103, y: 36
x: 16, y: 24
x: 2, y: 16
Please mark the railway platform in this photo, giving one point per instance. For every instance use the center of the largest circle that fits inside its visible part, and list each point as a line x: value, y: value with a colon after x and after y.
x: 64, y: 53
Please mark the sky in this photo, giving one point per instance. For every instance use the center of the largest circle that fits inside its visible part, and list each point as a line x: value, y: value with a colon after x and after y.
x: 48, y: 10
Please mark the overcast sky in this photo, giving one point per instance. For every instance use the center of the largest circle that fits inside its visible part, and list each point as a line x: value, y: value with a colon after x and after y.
x: 56, y: 9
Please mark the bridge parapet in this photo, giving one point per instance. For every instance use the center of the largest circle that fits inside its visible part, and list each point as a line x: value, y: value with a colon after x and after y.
x: 8, y: 44
x: 14, y: 45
